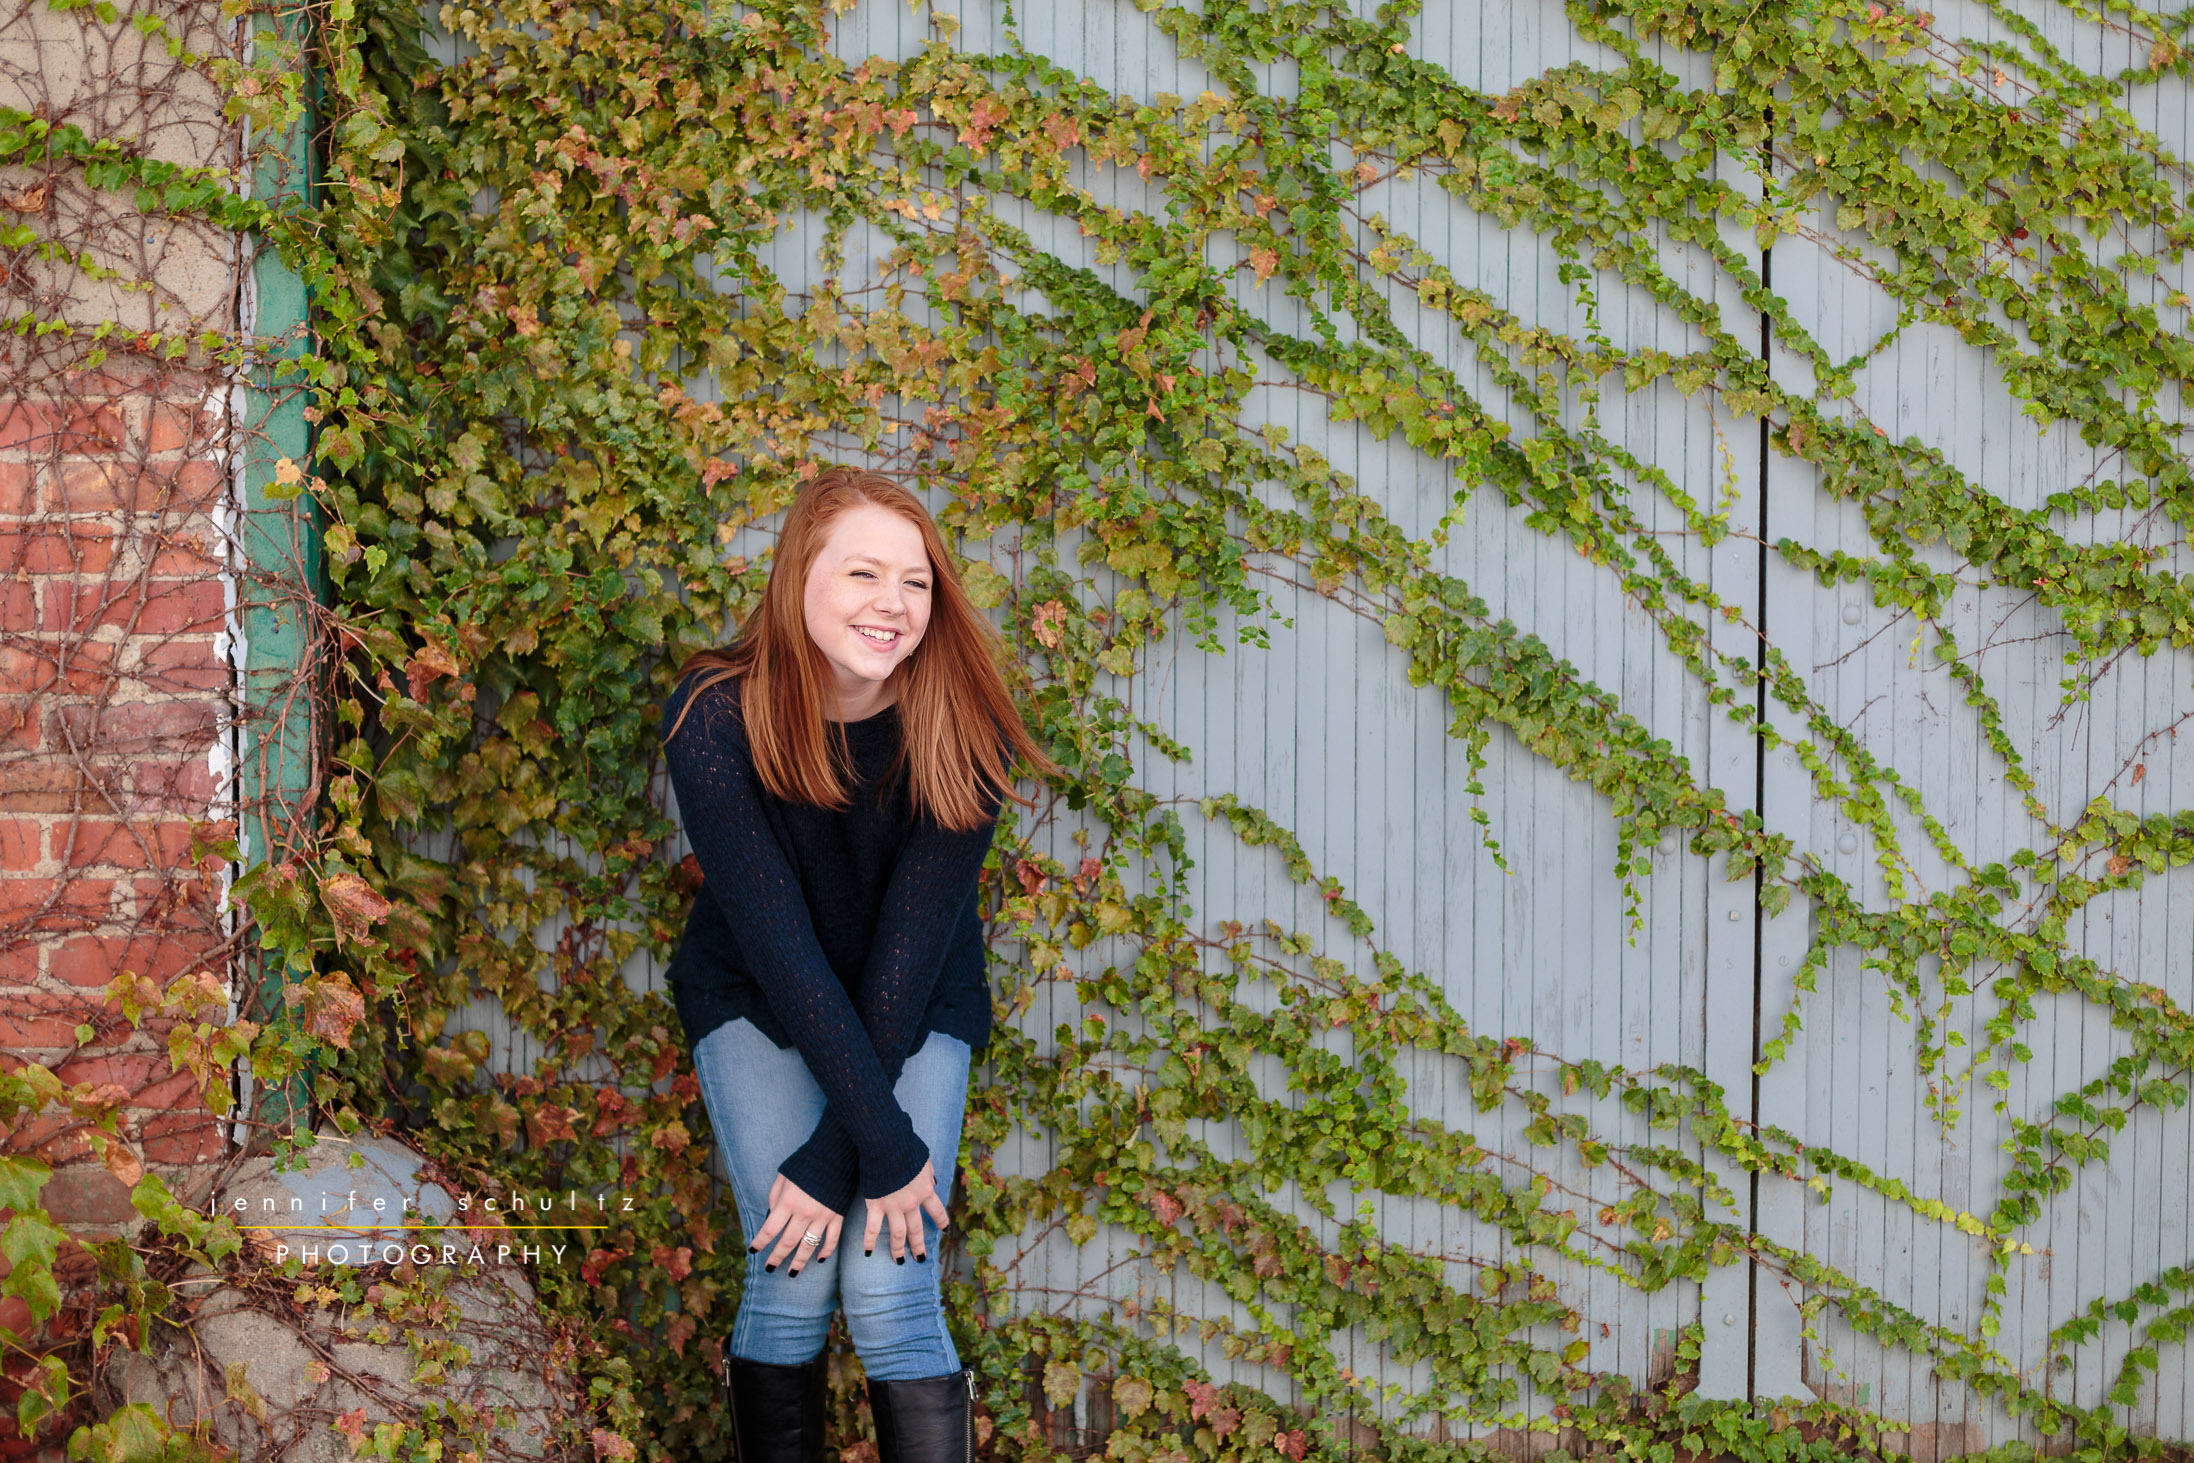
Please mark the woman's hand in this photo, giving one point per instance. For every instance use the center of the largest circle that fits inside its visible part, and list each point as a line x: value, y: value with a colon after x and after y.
x: 903, y: 1210
x: 792, y: 1217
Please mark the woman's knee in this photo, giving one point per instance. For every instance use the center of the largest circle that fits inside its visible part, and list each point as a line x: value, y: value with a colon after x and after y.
x: 783, y: 1319
x: 887, y: 1313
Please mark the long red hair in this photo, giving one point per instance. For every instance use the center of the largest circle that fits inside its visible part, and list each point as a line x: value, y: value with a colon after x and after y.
x: 962, y: 732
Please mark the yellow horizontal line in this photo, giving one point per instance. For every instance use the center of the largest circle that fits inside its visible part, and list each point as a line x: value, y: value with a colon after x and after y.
x: 453, y: 1224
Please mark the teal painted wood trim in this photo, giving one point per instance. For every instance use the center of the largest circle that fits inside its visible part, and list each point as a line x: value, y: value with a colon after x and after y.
x: 278, y: 540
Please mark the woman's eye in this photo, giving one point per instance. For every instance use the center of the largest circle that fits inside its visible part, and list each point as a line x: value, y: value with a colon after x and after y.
x: 917, y: 584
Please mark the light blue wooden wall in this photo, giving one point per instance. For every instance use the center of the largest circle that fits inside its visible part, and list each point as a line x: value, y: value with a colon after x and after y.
x: 1323, y: 730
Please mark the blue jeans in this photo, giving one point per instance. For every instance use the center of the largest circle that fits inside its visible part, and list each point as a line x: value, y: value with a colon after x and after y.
x: 763, y: 1104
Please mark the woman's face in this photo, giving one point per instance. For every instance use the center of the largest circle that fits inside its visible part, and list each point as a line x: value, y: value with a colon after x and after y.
x: 867, y: 602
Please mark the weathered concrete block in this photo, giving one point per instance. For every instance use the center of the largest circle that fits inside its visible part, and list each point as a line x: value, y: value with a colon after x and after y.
x: 285, y: 1368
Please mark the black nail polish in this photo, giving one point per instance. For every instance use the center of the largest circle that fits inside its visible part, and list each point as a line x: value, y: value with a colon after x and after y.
x: 769, y: 1269
x: 866, y: 1253
x: 754, y: 1249
x: 921, y: 1259
x: 898, y: 1259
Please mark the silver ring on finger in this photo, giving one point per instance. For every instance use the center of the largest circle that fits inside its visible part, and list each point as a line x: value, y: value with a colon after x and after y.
x: 811, y: 1239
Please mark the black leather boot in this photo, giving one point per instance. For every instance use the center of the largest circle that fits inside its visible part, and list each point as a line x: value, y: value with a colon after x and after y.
x: 777, y: 1411
x: 926, y: 1421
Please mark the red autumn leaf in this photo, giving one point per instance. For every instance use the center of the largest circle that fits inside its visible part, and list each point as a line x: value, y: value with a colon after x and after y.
x: 429, y: 663
x: 686, y: 1087
x: 597, y: 1261
x: 352, y: 1425
x: 612, y: 1111
x: 1030, y: 874
x: 353, y: 902
x: 672, y: 1138
x: 678, y: 1330
x: 549, y: 1122
x: 1294, y: 1442
x: 331, y: 1007
x: 1165, y: 1206
x: 987, y: 115
x: 677, y: 1264
x: 687, y: 876
x: 1202, y: 1397
x: 611, y: 1448
x: 1226, y: 1420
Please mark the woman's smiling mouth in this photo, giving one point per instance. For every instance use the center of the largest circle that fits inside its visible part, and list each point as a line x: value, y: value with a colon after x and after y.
x: 880, y: 638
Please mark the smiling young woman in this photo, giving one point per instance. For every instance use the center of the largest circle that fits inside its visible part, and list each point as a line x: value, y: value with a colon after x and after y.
x: 839, y: 770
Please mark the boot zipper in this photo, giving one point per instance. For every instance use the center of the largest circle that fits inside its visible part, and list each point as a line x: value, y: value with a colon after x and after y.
x: 969, y: 1374
x: 731, y: 1400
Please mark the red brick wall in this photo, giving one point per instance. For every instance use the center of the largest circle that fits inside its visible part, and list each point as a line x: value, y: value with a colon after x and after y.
x: 114, y: 711
x: 114, y: 662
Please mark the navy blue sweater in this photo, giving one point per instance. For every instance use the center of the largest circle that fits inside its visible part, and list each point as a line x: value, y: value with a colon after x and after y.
x: 849, y: 935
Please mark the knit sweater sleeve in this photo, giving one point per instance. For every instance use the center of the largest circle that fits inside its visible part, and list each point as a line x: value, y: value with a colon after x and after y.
x: 929, y: 887
x: 744, y: 870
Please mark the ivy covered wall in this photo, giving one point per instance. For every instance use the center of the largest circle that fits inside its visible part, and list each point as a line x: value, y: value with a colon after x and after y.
x: 1748, y: 437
